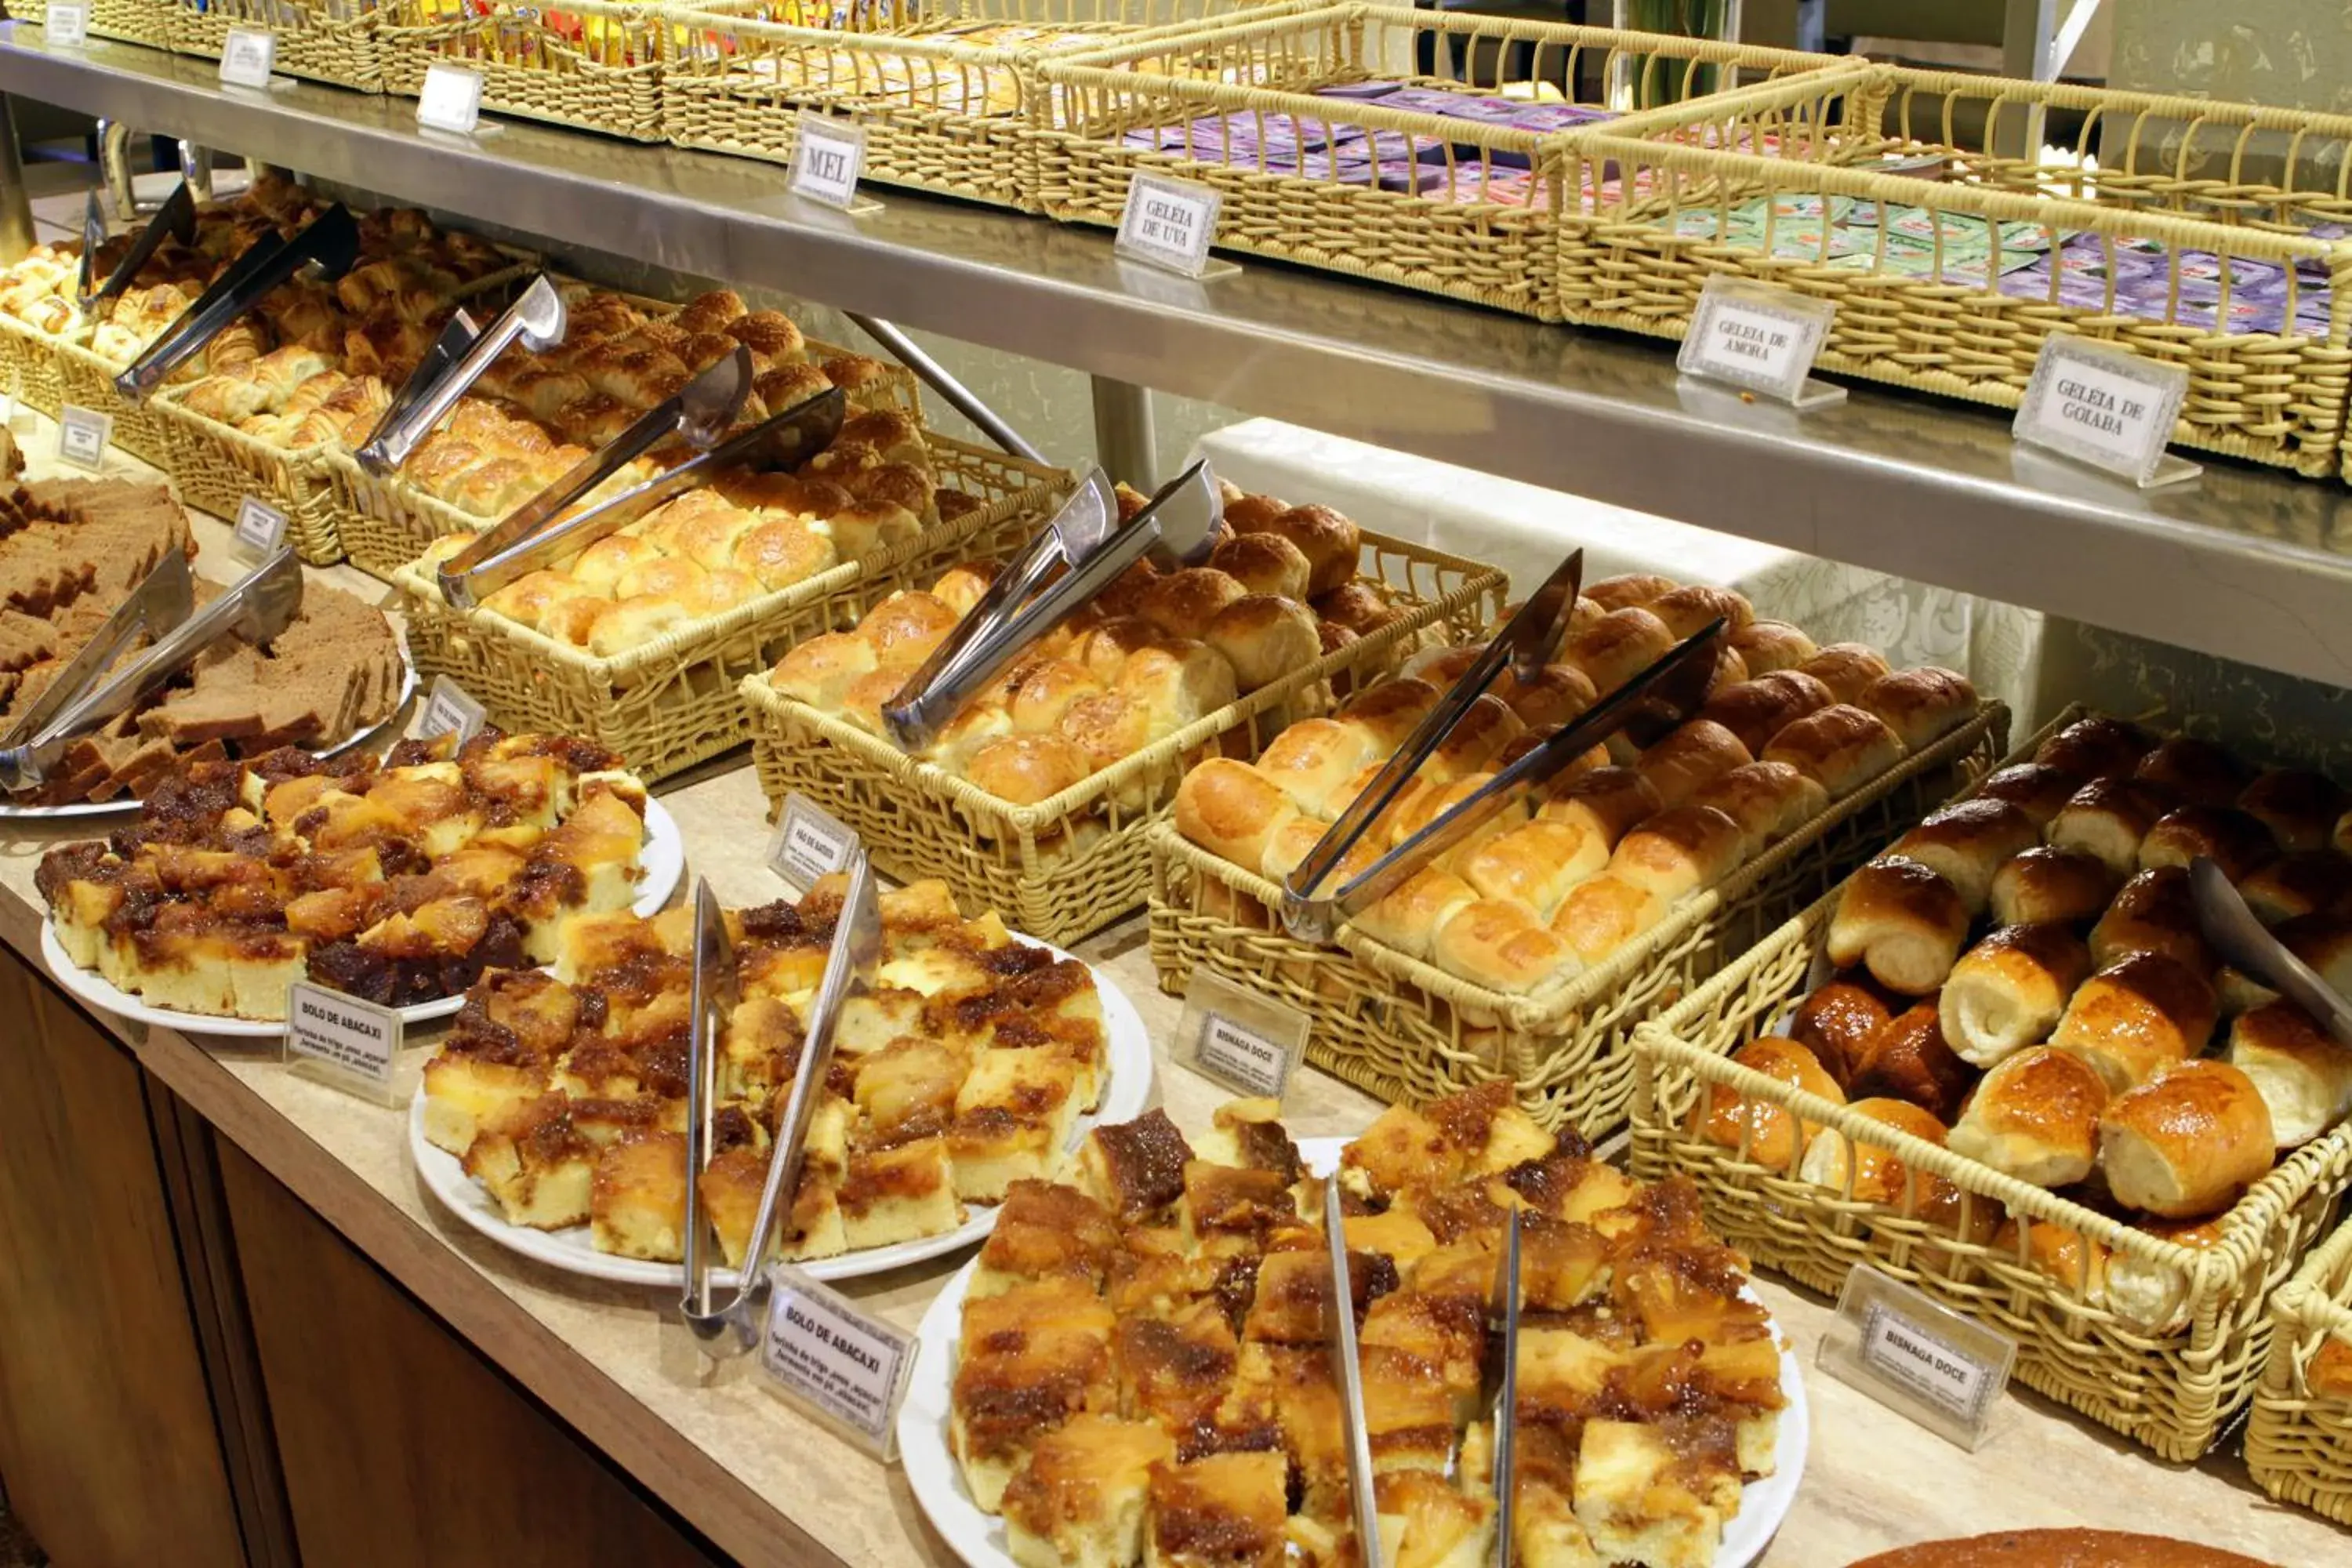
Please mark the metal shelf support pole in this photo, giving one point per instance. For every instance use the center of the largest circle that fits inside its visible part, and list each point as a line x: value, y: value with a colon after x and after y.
x: 1123, y: 436
x: 16, y: 202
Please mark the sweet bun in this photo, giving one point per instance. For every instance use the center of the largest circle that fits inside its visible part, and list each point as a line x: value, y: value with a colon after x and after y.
x: 2109, y: 817
x: 2232, y: 839
x: 1768, y: 800
x: 1583, y: 762
x: 1599, y: 916
x: 1969, y: 842
x: 1902, y: 920
x: 1046, y: 691
x: 1836, y: 1022
x: 1390, y: 712
x: 1910, y: 1059
x: 1921, y: 706
x: 1492, y: 943
x: 2046, y: 886
x: 2036, y: 789
x: 1619, y: 647
x: 1486, y: 727
x: 2009, y: 990
x: 2136, y: 1016
x: 2096, y: 748
x: 782, y: 551
x: 1606, y: 802
x: 1535, y: 864
x: 1759, y: 708
x: 2078, y: 1264
x: 1773, y: 1136
x: 1183, y: 604
x: 1358, y: 606
x: 1847, y: 668
x: 1265, y: 636
x: 1288, y: 846
x: 2298, y: 806
x: 1109, y: 728
x: 1866, y: 1172
x: 1410, y: 918
x: 1689, y: 757
x: 2197, y: 773
x: 2153, y: 1294
x: 2303, y: 1072
x: 1767, y: 646
x: 600, y: 566
x: 2189, y: 1142
x: 1263, y: 564
x: 1678, y: 851
x: 904, y: 627
x: 1105, y: 647
x: 2035, y: 1116
x: 820, y: 670
x: 1315, y: 761
x: 1176, y: 681
x: 1556, y: 694
x: 1225, y: 806
x: 980, y: 724
x: 1442, y: 666
x: 1425, y: 807
x: 1023, y: 770
x: 1688, y: 611
x: 1244, y: 513
x: 2153, y: 912
x: 1841, y: 748
x: 1627, y: 589
x: 2301, y: 882
x: 1330, y: 542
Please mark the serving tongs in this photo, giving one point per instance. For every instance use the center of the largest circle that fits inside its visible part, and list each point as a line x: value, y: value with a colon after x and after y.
x: 257, y: 608
x: 1506, y: 1397
x: 2246, y: 944
x: 176, y: 217
x: 536, y: 319
x: 161, y: 602
x: 329, y: 243
x: 458, y: 334
x: 1177, y: 528
x: 1347, y: 1374
x: 782, y: 441
x: 729, y: 1322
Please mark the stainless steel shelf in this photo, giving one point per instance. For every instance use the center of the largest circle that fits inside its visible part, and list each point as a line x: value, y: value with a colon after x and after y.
x: 2246, y: 565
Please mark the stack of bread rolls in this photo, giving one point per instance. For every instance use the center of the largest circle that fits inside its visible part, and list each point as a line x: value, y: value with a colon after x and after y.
x: 2022, y: 979
x: 1559, y: 881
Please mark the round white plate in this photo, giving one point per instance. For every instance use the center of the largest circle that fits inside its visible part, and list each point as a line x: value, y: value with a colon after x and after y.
x: 979, y: 1538
x: 1127, y: 1055
x: 663, y: 859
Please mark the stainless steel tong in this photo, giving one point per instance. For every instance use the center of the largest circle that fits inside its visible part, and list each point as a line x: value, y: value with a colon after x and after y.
x: 729, y: 1322
x: 160, y: 603
x: 783, y: 441
x: 330, y: 242
x: 1347, y: 1374
x: 1178, y: 527
x: 536, y: 319
x: 458, y: 334
x: 260, y: 607
x: 1507, y: 1398
x: 2246, y: 944
x: 176, y: 217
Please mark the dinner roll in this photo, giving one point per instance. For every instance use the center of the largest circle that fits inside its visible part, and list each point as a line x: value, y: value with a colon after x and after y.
x: 1689, y: 757
x: 2155, y: 1294
x: 2154, y: 912
x: 2009, y: 990
x: 1486, y: 726
x: 1869, y: 1173
x: 2234, y: 840
x: 1492, y: 943
x: 1104, y: 647
x: 2078, y: 1264
x: 904, y: 627
x: 1759, y: 708
x: 1176, y: 681
x: 2035, y: 1116
x: 2298, y: 806
x: 1773, y: 1136
x: 2135, y: 1016
x: 2187, y: 1142
x: 2096, y: 748
x: 1921, y: 706
x: 1360, y: 606
x: 1841, y: 748
x: 2303, y: 1072
x: 1836, y: 1021
x: 1265, y: 636
x: 1288, y: 846
x: 1109, y: 728
x: 1619, y: 647
x: 1903, y: 921
x: 600, y: 566
x: 2197, y: 773
x: 1390, y: 712
x: 1263, y: 564
x: 1969, y: 842
x: 1535, y: 864
x: 1606, y: 802
x: 782, y: 551
x: 1678, y: 851
x: 2046, y: 886
x: 1124, y: 596
x: 820, y: 670
x: 2325, y: 942
x: 1225, y: 806
x: 1599, y: 916
x: 1628, y: 588
x: 1767, y: 646
x: 2300, y: 882
x: 1442, y: 666
x: 1045, y: 693
x: 1315, y: 760
x: 2109, y: 817
x: 1331, y: 543
x: 963, y: 737
x: 1023, y: 770
x: 1183, y: 604
x: 1556, y: 694
x: 1410, y: 917
x: 1847, y: 668
x: 1243, y: 513
x: 1910, y: 1059
x: 1768, y: 800
x: 2036, y: 789
x: 1688, y: 611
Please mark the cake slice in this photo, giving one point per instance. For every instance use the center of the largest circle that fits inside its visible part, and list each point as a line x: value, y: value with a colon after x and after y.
x: 897, y: 1195
x: 1013, y: 1115
x: 637, y: 1201
x: 1031, y: 1359
x: 1080, y: 1501
x: 539, y: 1169
x: 1433, y: 1522
x: 1221, y: 1511
x: 1135, y: 1169
x: 1045, y: 1231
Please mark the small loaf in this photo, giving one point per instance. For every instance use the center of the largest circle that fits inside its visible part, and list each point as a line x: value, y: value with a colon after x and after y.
x: 2035, y: 1116
x: 1264, y: 636
x: 2234, y: 840
x: 1876, y: 1175
x: 1759, y: 708
x: 2153, y: 912
x: 2299, y: 882
x: 1606, y: 802
x: 1910, y: 1059
x: 1847, y: 668
x: 1315, y: 761
x: 1619, y: 647
x: 2036, y: 789
x: 1390, y: 712
x: 2187, y: 1142
x: 1628, y: 588
x: 2010, y: 991
x: 1902, y: 920
x: 1602, y: 915
x: 1836, y: 1023
x: 1535, y: 864
x: 1773, y: 1138
x: 2302, y: 1073
x: 1026, y: 769
x: 1484, y: 729
x: 2096, y: 748
x: 1841, y: 748
x: 2136, y: 1017
x: 1225, y: 806
x: 1410, y: 918
x: 1921, y: 706
x: 2298, y: 806
x: 2195, y: 772
x: 1767, y: 646
x: 1687, y: 611
x: 2046, y: 886
x: 1492, y: 943
x: 1678, y: 851
x: 2108, y: 817
x: 1689, y: 757
x: 1768, y: 800
x: 2078, y: 1263
x: 1969, y: 842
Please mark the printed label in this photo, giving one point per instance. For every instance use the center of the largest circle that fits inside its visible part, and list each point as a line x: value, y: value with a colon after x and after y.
x: 1243, y: 1041
x: 824, y: 1352
x: 449, y: 709
x: 810, y: 843
x: 1168, y: 222
x: 342, y: 1032
x: 247, y: 57
x: 1903, y: 1351
x: 2102, y: 405
x: 827, y: 157
x: 83, y: 435
x: 1242, y: 1056
x: 1919, y: 1357
x: 68, y: 23
x: 1756, y: 337
x: 450, y: 99
x: 260, y: 527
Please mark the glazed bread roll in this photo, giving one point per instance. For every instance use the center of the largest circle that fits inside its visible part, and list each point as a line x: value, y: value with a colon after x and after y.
x: 2187, y: 1142
x: 1768, y: 800
x: 1599, y: 916
x: 1767, y: 646
x: 1557, y: 694
x: 1225, y: 806
x: 1265, y: 636
x: 1486, y: 727
x: 1841, y: 748
x: 1534, y: 864
x: 1331, y: 543
x: 2044, y: 886
x: 1104, y: 647
x: 2299, y: 807
x: 1678, y: 851
x: 2108, y: 817
x: 2154, y: 1294
x: 1619, y: 647
x: 2300, y: 882
x: 2096, y: 748
x: 1759, y: 708
x: 1389, y: 712
x: 2035, y: 1116
x: 1921, y: 706
x: 1847, y: 668
x: 1026, y: 769
x: 1492, y: 943
x: 2232, y: 839
x: 1910, y: 1059
x: 1109, y: 728
x: 1243, y: 513
x: 963, y: 737
x: 1969, y: 842
x: 1866, y: 1172
x: 2036, y: 789
x: 1605, y: 802
x: 2302, y: 1073
x: 1183, y: 604
x: 2078, y: 1263
x: 1361, y: 607
x: 2195, y: 773
x: 1047, y: 692
x: 2136, y: 1017
x: 2154, y: 912
x: 1773, y: 1136
x: 1901, y: 920
x: 820, y: 671
x: 1628, y: 588
x: 2011, y: 990
x: 1176, y: 682
x: 1287, y: 847
x: 1263, y: 564
x: 1315, y: 761
x: 904, y: 627
x: 1410, y: 918
x: 1837, y: 1021
x: 1688, y: 611
x: 1689, y: 757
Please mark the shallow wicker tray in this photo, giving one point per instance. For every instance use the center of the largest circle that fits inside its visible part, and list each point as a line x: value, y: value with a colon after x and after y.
x: 131, y: 21
x: 1068, y: 866
x: 611, y: 83
x: 30, y: 367
x: 2299, y: 1448
x: 312, y: 43
x: 2169, y: 1388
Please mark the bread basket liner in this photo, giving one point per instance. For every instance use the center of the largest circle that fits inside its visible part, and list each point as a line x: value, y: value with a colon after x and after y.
x: 339, y: 50
x: 2170, y: 1388
x: 566, y: 86
x: 2299, y: 1448
x: 920, y: 820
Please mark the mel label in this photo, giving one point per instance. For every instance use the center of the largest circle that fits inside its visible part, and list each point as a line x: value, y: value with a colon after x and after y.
x: 247, y: 57
x: 1756, y: 337
x: 810, y: 843
x: 1168, y: 222
x: 824, y: 1352
x: 450, y: 99
x: 1245, y: 1041
x: 83, y: 435
x: 2102, y: 405
x: 66, y: 23
x: 260, y: 527
x: 1917, y: 1357
x: 450, y: 709
x: 342, y: 1032
x: 827, y: 157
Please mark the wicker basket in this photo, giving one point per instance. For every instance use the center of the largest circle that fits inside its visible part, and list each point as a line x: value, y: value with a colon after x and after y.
x: 594, y: 64
x: 1065, y: 867
x: 1491, y: 205
x: 2172, y: 178
x: 215, y: 466
x: 1411, y: 1033
x: 325, y: 40
x: 87, y: 381
x: 131, y: 21
x: 672, y: 702
x: 31, y: 367
x: 2297, y: 1446
x: 2170, y: 1386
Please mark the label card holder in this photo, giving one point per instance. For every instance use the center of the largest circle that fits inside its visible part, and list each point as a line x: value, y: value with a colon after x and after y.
x: 846, y: 1368
x: 2107, y: 408
x: 1761, y: 339
x: 343, y: 1041
x: 249, y: 56
x: 83, y: 436
x: 1917, y: 1358
x: 66, y: 24
x: 809, y: 843
x: 449, y: 708
x: 1239, y: 1038
x: 451, y: 102
x: 828, y: 158
x: 261, y: 528
x: 1170, y: 225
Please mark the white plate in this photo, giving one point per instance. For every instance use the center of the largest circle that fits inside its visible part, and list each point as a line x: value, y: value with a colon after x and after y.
x: 979, y: 1540
x: 663, y: 859
x: 1127, y: 1055
x: 11, y: 812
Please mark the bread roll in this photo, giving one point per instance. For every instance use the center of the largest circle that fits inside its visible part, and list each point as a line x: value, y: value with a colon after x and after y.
x: 1183, y: 604
x: 1288, y: 846
x: 2197, y: 773
x: 904, y: 627
x: 2136, y: 1016
x: 1921, y: 706
x: 2009, y: 990
x: 1600, y: 916
x: 1486, y: 727
x: 2301, y: 882
x: 1492, y: 943
x: 2299, y: 807
x: 1442, y: 666
x: 1314, y: 762
x: 1689, y: 757
x: 1847, y: 668
x: 1428, y: 805
x: 1360, y: 606
x: 1109, y: 728
x: 1177, y: 682
x: 2328, y: 1374
x: 2154, y: 1294
x: 2325, y: 942
x: 2049, y: 887
x: 2109, y: 817
x: 2077, y: 1263
x: 2302, y: 1073
x: 782, y: 550
x: 1910, y: 1059
x: 1773, y: 1136
x: 1628, y: 588
x: 820, y: 670
x: 1023, y: 770
x: 1619, y: 647
x: 1046, y: 692
x: 2154, y: 912
x: 1903, y: 921
x: 600, y: 566
x: 1841, y: 748
x: 1410, y: 918
x: 1688, y: 611
x: 2232, y: 839
x: 1969, y: 842
x: 1244, y: 514
x: 1534, y: 864
x: 1225, y: 806
x: 1557, y: 694
x: 2035, y: 1116
x: 1868, y: 1172
x: 1768, y: 800
x: 2036, y: 789
x: 1104, y: 648
x: 1390, y: 712
x: 1836, y: 1023
x: 1533, y: 739
x: 1263, y: 564
x: 2096, y: 748
x: 1265, y: 636
x: 1759, y: 708
x: 1605, y: 802
x: 1678, y: 851
x: 1331, y: 543
x: 2187, y: 1142
x: 1767, y: 646
x: 965, y: 736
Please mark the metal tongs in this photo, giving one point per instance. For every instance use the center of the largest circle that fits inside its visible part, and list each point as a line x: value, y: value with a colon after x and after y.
x: 458, y: 334
x: 783, y: 441
x: 331, y: 243
x: 260, y: 607
x: 537, y: 318
x: 1347, y: 1374
x: 176, y: 217
x: 1506, y: 1397
x: 2244, y: 943
x: 1178, y: 527
x: 729, y: 1323
x: 161, y: 602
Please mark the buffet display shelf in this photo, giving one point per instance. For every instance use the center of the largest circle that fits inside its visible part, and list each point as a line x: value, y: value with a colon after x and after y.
x: 2243, y: 564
